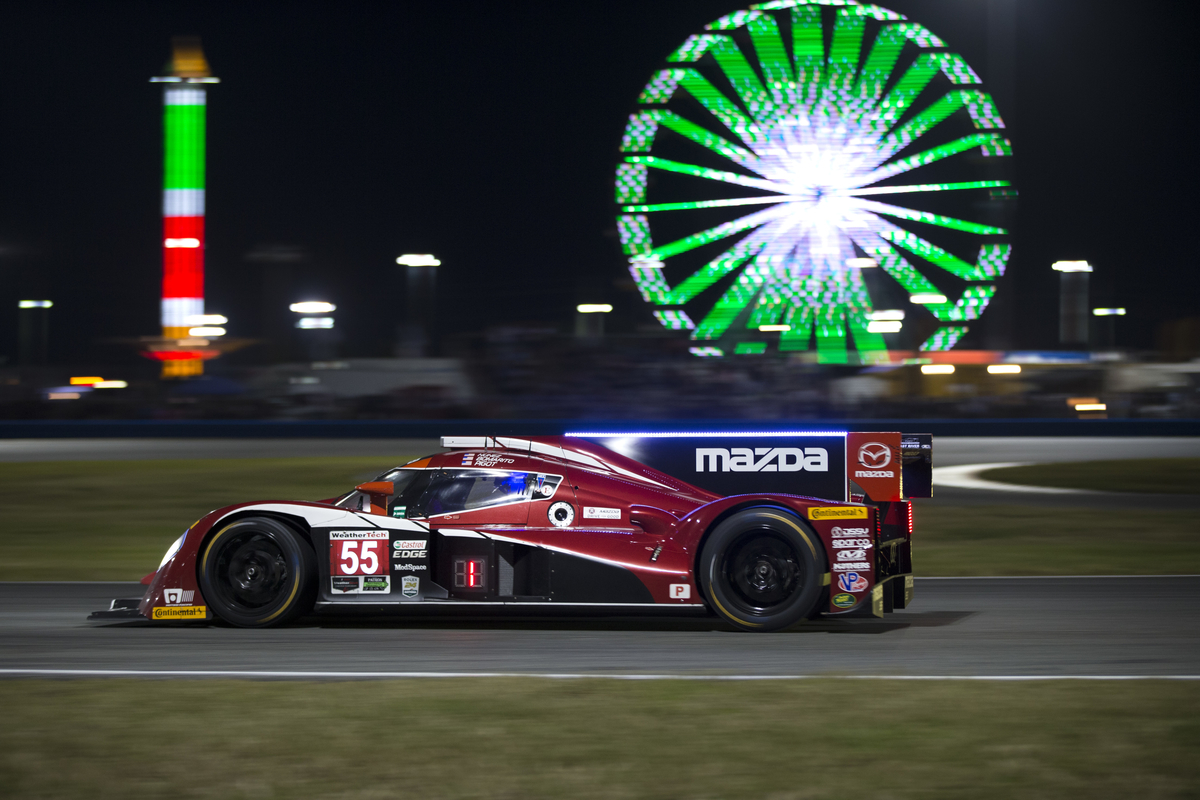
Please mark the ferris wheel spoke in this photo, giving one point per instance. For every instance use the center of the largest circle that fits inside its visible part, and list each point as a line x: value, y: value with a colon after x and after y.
x: 719, y: 232
x: 705, y: 172
x: 930, y: 219
x: 925, y: 187
x: 736, y: 201
x: 979, y: 106
x: 932, y: 154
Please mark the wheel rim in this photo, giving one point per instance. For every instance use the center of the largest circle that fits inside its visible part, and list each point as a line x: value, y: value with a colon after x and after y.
x: 761, y: 572
x: 251, y: 571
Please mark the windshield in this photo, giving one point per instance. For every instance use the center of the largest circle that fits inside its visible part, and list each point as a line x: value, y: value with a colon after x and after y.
x: 407, y: 486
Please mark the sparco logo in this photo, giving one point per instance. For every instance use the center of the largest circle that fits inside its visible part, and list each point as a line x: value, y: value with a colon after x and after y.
x: 874, y: 455
x: 761, y: 459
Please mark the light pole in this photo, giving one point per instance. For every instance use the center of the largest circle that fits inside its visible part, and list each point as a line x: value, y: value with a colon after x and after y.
x: 416, y: 334
x: 1073, y: 318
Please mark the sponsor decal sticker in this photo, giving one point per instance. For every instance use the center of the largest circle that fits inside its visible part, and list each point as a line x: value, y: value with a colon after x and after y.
x: 681, y: 591
x: 400, y: 511
x: 190, y: 612
x: 178, y: 597
x: 762, y: 459
x: 836, y: 531
x: 843, y: 600
x: 409, y: 544
x: 601, y: 513
x: 358, y: 535
x: 377, y: 583
x: 410, y: 585
x: 409, y: 567
x: 409, y: 553
x: 345, y: 584
x: 851, y: 555
x: 875, y: 455
x: 860, y: 543
x: 874, y: 473
x: 852, y: 582
x: 851, y: 565
x: 837, y: 512
x: 488, y: 459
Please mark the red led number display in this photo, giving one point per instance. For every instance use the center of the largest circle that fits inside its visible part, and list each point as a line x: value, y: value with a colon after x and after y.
x: 469, y: 573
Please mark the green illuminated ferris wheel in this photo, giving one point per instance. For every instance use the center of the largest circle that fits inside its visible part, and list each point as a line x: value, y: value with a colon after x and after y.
x: 793, y: 179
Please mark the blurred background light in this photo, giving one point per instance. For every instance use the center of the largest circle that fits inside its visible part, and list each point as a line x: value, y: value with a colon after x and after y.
x: 1108, y: 312
x: 313, y: 307
x: 593, y: 308
x: 110, y: 385
x: 35, y: 304
x: 774, y: 328
x: 206, y: 330
x: 313, y: 323
x: 206, y: 319
x: 1071, y: 266
x: 861, y: 263
x: 1091, y: 407
x: 937, y: 369
x: 886, y: 313
x: 186, y: 241
x: 1004, y: 369
x: 927, y: 299
x: 418, y: 260
x: 884, y: 326
x: 86, y: 380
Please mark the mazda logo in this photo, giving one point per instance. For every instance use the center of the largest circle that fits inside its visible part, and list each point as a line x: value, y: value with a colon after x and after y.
x: 874, y: 455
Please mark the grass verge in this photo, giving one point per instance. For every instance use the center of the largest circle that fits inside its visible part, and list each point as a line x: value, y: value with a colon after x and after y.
x: 1023, y: 540
x: 1150, y: 475
x: 96, y: 520
x: 508, y: 738
x: 113, y: 520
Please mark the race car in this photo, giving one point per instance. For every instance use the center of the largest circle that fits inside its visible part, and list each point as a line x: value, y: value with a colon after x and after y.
x: 764, y: 530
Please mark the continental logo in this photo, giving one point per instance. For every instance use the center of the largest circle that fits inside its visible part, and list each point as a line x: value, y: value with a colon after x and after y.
x: 837, y: 512
x: 188, y: 612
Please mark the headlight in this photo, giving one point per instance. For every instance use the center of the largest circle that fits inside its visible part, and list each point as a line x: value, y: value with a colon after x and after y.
x: 172, y: 550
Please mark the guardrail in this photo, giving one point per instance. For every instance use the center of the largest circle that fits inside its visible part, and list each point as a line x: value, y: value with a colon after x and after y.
x: 431, y: 429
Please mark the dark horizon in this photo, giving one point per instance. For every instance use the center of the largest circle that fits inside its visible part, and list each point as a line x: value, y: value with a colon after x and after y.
x: 344, y: 136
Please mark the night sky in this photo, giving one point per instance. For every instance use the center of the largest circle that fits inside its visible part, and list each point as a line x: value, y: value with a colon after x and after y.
x: 343, y: 134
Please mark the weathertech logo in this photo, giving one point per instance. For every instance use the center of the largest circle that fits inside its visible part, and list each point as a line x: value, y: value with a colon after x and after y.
x: 762, y: 459
x: 837, y: 512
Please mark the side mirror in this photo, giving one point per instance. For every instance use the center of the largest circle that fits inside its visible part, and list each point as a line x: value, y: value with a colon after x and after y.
x: 379, y: 492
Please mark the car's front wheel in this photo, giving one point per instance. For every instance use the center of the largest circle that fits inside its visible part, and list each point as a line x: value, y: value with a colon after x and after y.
x: 257, y: 572
x: 762, y: 569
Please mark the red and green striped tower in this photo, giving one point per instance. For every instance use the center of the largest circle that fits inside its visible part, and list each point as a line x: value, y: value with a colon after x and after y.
x: 184, y: 94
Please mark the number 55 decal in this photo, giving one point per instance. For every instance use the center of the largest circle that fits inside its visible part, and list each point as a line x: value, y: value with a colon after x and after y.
x: 356, y: 554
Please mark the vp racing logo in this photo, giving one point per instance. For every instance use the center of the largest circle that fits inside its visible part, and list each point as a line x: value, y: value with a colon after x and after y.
x: 762, y: 459
x: 874, y: 456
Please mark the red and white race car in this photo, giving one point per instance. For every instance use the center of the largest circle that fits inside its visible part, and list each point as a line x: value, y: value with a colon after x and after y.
x: 762, y: 529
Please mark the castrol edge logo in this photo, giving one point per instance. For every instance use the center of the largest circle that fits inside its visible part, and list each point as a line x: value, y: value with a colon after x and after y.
x: 874, y: 457
x: 762, y: 459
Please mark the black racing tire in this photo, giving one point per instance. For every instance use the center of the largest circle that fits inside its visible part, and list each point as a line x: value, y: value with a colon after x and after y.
x: 257, y: 572
x: 762, y: 569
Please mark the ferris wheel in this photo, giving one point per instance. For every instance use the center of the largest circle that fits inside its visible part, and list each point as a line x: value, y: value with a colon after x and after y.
x: 808, y: 161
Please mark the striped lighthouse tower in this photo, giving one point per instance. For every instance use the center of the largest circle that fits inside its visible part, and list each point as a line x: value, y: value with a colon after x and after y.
x: 185, y: 91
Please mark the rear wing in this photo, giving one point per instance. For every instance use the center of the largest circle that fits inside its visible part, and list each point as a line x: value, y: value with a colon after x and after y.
x: 884, y: 466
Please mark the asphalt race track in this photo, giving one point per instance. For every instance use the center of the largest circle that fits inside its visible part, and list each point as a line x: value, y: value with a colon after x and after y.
x: 1095, y: 626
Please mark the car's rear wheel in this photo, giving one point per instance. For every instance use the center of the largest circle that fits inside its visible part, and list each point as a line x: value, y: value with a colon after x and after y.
x: 257, y: 572
x: 762, y: 569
